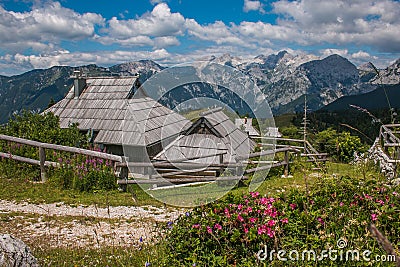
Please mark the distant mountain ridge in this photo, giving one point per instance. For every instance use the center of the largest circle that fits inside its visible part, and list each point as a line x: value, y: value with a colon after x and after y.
x: 284, y: 79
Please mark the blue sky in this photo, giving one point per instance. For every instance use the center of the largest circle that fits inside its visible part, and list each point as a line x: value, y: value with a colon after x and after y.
x: 41, y: 34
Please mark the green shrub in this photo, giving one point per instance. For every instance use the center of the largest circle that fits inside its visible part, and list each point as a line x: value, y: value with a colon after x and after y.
x: 341, y: 146
x: 230, y: 232
x: 75, y: 172
x: 43, y: 128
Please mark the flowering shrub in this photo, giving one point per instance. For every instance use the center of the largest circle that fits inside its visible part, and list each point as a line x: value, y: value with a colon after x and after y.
x: 78, y: 172
x: 230, y: 232
x: 38, y: 127
x: 84, y: 173
x: 226, y: 232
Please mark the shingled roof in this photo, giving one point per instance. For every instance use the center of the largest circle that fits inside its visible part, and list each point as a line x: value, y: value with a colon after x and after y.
x: 211, y: 135
x: 239, y: 141
x: 103, y: 104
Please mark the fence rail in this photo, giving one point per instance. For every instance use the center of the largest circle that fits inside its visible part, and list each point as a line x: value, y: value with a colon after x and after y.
x: 42, y: 153
x: 390, y: 142
x: 178, y: 169
x: 161, y: 173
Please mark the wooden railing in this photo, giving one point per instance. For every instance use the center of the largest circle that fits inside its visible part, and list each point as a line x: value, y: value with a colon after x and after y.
x: 389, y: 141
x: 188, y: 172
x: 307, y: 149
x: 179, y: 170
x: 42, y: 147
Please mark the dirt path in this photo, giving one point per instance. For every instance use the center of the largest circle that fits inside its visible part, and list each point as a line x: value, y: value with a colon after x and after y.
x: 60, y: 225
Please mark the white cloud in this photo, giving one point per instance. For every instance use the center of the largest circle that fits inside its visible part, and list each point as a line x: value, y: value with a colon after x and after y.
x: 361, y: 55
x: 44, y: 27
x: 161, y: 27
x: 165, y: 41
x: 362, y: 22
x: 266, y: 33
x: 155, y: 2
x: 160, y: 22
x: 301, y: 24
x: 250, y: 5
x: 63, y: 57
x: 216, y: 32
x: 330, y: 51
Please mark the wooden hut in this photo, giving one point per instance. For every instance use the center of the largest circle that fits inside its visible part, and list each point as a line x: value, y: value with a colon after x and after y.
x: 212, y: 139
x: 100, y: 106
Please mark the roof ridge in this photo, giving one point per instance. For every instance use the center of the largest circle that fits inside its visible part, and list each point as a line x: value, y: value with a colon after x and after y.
x: 208, y: 112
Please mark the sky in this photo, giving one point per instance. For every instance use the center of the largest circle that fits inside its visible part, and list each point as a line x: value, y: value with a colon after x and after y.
x: 41, y: 34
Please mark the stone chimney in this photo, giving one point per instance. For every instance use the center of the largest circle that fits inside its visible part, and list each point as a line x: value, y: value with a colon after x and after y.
x: 79, y: 83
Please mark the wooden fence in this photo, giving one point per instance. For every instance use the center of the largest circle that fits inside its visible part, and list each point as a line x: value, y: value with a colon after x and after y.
x: 176, y: 171
x: 188, y: 172
x: 42, y: 147
x: 304, y: 146
x: 390, y: 141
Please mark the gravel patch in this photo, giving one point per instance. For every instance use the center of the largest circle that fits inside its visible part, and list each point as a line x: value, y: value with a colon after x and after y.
x: 60, y: 225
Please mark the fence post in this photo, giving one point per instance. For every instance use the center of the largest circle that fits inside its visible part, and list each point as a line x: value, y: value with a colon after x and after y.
x: 42, y: 159
x: 150, y: 171
x: 286, y: 170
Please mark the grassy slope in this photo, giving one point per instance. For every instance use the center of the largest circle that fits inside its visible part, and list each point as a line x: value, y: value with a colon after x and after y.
x: 21, y: 190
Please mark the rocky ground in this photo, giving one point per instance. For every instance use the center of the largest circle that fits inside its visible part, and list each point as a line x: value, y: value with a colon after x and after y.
x: 60, y: 225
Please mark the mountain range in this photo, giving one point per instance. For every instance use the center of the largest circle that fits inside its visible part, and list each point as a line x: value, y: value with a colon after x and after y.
x: 285, y: 79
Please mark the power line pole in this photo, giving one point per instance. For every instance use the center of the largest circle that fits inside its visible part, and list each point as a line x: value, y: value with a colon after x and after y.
x: 305, y: 122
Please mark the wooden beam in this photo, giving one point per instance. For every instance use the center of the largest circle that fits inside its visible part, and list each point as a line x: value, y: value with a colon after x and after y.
x: 62, y: 148
x: 42, y: 160
x: 281, y: 139
x: 182, y: 172
x: 194, y: 158
x: 27, y: 160
x: 268, y: 152
x: 262, y: 168
x: 314, y: 154
x: 182, y: 165
x: 180, y: 180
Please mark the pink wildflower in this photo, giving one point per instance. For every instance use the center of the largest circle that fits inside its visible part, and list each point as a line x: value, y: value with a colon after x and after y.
x: 293, y: 206
x: 254, y: 194
x: 320, y: 220
x: 240, y: 218
x: 253, y: 220
x: 367, y: 196
x: 271, y: 223
x: 380, y: 202
x: 285, y: 220
x: 262, y: 230
x: 341, y: 204
x: 217, y: 226
x: 374, y: 217
x: 196, y: 226
x: 274, y: 214
x: 270, y: 232
x: 209, y: 230
x: 227, y: 214
x: 264, y: 201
